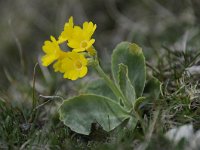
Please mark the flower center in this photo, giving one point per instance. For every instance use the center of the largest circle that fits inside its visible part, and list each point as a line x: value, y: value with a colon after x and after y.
x: 84, y: 44
x: 78, y: 64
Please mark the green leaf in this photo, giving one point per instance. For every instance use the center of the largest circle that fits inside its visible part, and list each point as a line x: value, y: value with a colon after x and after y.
x: 132, y: 123
x: 98, y: 87
x: 152, y: 88
x: 80, y: 112
x: 125, y: 84
x: 131, y: 55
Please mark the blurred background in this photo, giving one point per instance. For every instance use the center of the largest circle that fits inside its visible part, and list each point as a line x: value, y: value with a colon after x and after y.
x: 25, y: 25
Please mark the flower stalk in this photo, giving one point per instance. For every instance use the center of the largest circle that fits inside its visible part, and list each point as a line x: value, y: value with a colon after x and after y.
x: 111, y: 84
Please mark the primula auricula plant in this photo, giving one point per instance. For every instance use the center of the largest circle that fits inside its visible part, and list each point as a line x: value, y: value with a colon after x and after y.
x: 99, y: 106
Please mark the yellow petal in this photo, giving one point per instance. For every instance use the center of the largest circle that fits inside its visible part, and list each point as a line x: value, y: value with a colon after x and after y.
x: 85, y: 25
x: 53, y: 39
x: 94, y: 28
x: 73, y: 44
x: 88, y: 29
x: 90, y: 43
x: 71, y: 21
x: 68, y: 31
x: 58, y: 66
x: 78, y: 50
x: 73, y: 74
x: 83, y: 60
x: 61, y: 39
x: 67, y: 65
x: 48, y: 59
x: 65, y: 75
x: 83, y: 72
x: 51, y: 47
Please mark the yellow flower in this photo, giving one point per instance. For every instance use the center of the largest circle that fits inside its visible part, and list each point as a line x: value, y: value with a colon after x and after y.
x: 81, y: 38
x: 68, y: 31
x: 58, y: 66
x: 74, y: 66
x: 52, y: 50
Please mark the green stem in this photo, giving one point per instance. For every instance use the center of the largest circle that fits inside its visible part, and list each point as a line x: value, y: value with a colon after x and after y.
x: 110, y: 83
x: 33, y: 92
x: 137, y: 115
x: 34, y: 102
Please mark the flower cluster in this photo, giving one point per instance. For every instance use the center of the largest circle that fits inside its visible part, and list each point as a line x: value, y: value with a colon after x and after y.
x: 73, y: 64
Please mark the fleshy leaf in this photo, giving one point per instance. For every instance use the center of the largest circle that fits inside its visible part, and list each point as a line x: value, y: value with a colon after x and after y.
x: 152, y: 88
x: 80, y: 112
x: 125, y: 84
x: 98, y: 87
x: 131, y: 55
